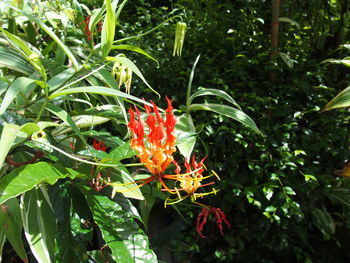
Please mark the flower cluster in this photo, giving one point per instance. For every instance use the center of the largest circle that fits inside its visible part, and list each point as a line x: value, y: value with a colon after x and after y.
x: 155, y: 151
x: 218, y: 215
x: 154, y: 140
x: 189, y: 182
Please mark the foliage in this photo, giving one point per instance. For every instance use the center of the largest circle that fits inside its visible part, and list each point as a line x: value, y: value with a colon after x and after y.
x: 65, y: 149
x: 277, y: 190
x: 65, y: 141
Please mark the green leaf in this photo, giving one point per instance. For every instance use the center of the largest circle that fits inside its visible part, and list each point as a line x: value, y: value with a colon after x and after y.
x: 39, y: 224
x: 108, y: 29
x: 16, y: 86
x: 130, y: 190
x: 340, y: 101
x: 11, y: 225
x: 27, y: 177
x: 135, y: 49
x: 13, y: 60
x: 52, y: 35
x: 214, y: 92
x: 8, y: 136
x: 82, y: 121
x: 106, y: 76
x: 122, y: 152
x: 98, y: 90
x: 122, y: 234
x: 339, y: 194
x: 99, y: 256
x: 323, y: 221
x: 189, y: 85
x: 344, y: 61
x: 60, y: 79
x: 290, y: 21
x: 95, y: 17
x: 228, y: 111
x: 17, y: 42
x: 32, y: 57
x: 63, y: 115
x: 2, y: 242
x: 70, y: 248
x: 185, y: 135
x: 289, y: 191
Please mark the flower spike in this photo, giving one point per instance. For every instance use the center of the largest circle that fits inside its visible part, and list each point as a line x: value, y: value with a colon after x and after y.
x: 155, y: 151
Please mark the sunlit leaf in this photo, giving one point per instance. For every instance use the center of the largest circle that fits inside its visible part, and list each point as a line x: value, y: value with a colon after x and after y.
x: 185, y: 135
x: 39, y: 224
x: 13, y: 60
x: 135, y: 49
x: 130, y: 189
x: 16, y: 87
x: 108, y: 29
x: 63, y: 115
x: 214, y: 92
x: 11, y: 225
x: 8, y: 136
x: 27, y: 177
x: 340, y: 101
x: 98, y: 90
x: 227, y: 111
x: 53, y: 35
x: 122, y: 234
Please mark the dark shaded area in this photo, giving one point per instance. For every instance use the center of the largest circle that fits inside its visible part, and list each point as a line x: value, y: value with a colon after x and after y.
x: 289, y: 174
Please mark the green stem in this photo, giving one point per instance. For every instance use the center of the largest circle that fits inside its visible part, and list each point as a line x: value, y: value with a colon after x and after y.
x: 189, y: 86
x: 149, y: 31
x: 41, y: 111
x: 80, y: 79
x: 88, y: 162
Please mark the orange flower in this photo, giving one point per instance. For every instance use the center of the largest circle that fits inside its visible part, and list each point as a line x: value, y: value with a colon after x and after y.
x: 189, y: 182
x: 155, y: 151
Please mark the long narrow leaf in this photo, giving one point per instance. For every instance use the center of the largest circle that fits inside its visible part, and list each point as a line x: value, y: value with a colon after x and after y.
x: 13, y: 60
x: 52, y: 35
x: 63, y: 115
x: 228, y: 111
x: 214, y: 92
x: 189, y: 85
x: 342, y: 100
x: 108, y: 29
x: 39, y: 224
x: 8, y: 136
x: 13, y: 90
x: 98, y: 90
x: 2, y: 242
x: 11, y: 224
x: 135, y: 49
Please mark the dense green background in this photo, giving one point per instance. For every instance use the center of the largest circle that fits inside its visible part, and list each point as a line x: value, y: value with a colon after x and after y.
x: 289, y: 174
x: 282, y: 192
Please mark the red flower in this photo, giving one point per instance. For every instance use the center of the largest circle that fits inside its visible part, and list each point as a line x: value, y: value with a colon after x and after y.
x: 156, y: 151
x: 86, y: 28
x: 219, y: 217
x: 99, y: 145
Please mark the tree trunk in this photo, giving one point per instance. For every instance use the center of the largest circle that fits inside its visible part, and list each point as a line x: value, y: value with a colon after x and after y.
x: 274, y: 34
